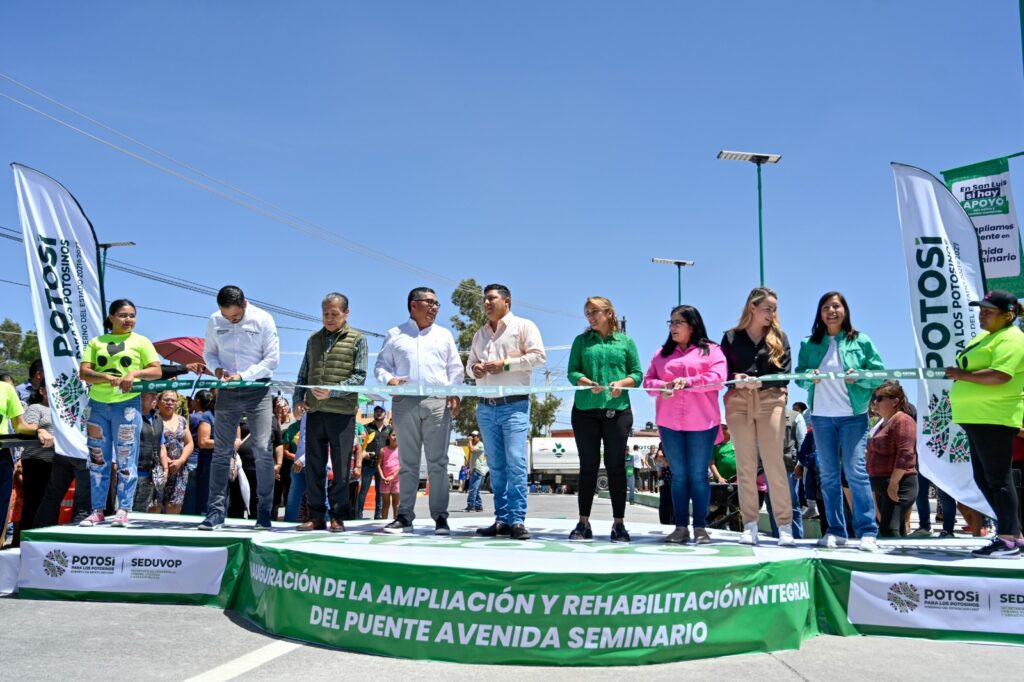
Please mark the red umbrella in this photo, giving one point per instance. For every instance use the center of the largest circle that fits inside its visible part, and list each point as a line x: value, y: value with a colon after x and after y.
x: 183, y: 350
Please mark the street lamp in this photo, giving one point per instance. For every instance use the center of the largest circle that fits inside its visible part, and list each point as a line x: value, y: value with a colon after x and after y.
x: 759, y: 160
x: 679, y: 272
x: 103, y: 269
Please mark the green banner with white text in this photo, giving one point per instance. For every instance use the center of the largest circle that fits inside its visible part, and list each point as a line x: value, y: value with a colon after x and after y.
x: 983, y: 189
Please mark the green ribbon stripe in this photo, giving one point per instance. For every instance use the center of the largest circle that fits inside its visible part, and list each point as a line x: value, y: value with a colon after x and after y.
x: 918, y: 373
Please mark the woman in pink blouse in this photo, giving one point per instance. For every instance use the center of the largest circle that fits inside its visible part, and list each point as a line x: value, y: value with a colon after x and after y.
x: 686, y: 375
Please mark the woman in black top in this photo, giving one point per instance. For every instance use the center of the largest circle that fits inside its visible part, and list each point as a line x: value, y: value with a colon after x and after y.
x: 756, y: 410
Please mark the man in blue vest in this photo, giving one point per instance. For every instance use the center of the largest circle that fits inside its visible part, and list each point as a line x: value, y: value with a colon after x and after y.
x: 335, y: 356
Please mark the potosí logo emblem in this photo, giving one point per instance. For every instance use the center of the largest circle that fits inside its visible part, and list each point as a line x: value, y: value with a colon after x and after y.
x: 55, y: 563
x: 903, y: 597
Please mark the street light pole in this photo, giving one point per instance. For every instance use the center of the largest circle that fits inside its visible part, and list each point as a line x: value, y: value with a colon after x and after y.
x: 680, y: 264
x: 103, y: 270
x: 758, y: 160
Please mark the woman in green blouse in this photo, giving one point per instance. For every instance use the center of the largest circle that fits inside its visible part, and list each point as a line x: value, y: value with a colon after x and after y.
x: 602, y: 356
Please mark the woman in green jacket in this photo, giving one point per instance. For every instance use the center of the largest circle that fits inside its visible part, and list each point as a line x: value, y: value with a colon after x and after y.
x: 839, y: 415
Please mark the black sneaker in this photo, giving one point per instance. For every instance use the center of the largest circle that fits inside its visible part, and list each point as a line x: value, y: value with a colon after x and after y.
x: 998, y: 549
x: 519, y: 532
x: 441, y: 526
x: 581, y: 533
x: 209, y: 524
x: 495, y: 529
x: 467, y: 509
x: 619, y: 533
x: 399, y: 525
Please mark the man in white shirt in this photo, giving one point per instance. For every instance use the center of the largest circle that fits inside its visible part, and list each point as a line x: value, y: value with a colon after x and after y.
x: 505, y: 352
x: 420, y: 352
x: 241, y: 345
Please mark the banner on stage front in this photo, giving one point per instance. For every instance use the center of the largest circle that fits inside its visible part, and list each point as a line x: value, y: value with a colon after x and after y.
x: 944, y: 272
x: 60, y: 247
x: 983, y: 189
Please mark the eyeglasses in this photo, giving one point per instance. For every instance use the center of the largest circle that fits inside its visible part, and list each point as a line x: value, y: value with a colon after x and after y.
x: 430, y: 302
x: 676, y: 323
x: 879, y: 398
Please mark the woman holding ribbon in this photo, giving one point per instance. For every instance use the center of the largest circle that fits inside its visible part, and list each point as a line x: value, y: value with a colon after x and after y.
x: 111, y: 363
x: 986, y: 401
x: 839, y: 415
x: 687, y: 373
x: 755, y: 410
x: 607, y: 360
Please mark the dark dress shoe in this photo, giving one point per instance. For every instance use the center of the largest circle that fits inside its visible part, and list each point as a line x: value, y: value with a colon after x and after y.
x: 337, y: 526
x: 519, y: 532
x: 312, y: 524
x: 495, y: 529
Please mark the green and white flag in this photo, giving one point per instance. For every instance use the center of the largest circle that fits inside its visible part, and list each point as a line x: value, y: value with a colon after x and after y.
x: 983, y: 189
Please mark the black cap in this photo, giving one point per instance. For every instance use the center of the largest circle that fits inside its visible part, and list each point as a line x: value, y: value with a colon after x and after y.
x: 379, y: 407
x: 1000, y: 299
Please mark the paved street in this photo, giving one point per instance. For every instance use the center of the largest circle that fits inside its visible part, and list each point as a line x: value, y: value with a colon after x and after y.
x: 45, y: 640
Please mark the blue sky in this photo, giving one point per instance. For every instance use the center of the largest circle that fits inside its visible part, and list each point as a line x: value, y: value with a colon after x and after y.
x: 555, y: 147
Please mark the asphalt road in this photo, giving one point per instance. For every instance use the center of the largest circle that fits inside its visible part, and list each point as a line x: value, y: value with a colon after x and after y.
x: 48, y: 640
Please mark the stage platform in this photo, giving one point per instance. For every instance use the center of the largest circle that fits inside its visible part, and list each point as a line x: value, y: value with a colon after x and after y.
x: 543, y: 601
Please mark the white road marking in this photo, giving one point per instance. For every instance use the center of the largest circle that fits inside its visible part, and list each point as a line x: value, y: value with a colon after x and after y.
x: 243, y: 664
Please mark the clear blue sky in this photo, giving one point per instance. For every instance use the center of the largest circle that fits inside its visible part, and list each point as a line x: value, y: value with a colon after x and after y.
x: 555, y: 147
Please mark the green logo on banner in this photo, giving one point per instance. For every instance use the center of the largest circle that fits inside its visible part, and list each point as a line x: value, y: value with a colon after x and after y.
x: 903, y: 597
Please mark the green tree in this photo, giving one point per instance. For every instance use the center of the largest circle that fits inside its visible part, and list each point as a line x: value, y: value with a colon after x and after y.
x: 29, y: 352
x: 542, y: 414
x: 10, y: 341
x: 17, y: 351
x: 468, y: 297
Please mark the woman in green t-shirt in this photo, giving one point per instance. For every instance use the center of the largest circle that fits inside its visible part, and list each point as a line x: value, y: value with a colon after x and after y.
x: 986, y: 401
x: 602, y: 356
x: 111, y: 363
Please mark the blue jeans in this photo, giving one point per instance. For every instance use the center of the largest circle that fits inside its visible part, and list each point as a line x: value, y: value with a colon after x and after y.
x: 631, y: 488
x: 842, y: 442
x: 798, y: 519
x: 473, y: 501
x: 689, y: 456
x: 369, y: 474
x: 924, y: 508
x: 505, y: 429
x: 295, y: 493
x: 113, y: 429
x: 231, y: 405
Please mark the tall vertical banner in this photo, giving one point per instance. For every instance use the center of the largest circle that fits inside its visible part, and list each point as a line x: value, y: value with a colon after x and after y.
x: 945, y: 273
x: 60, y: 246
x: 983, y: 189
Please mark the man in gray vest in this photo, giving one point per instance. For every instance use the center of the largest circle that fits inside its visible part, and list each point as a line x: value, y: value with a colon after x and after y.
x: 335, y: 355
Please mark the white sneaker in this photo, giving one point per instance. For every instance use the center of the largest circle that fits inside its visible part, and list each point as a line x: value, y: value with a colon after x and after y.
x: 868, y: 543
x: 749, y: 534
x: 830, y: 541
x: 786, y: 535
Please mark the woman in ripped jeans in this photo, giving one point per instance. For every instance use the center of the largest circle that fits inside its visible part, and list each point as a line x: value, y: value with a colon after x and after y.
x: 111, y: 363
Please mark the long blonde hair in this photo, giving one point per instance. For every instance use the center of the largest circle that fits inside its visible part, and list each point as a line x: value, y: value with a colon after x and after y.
x: 606, y: 305
x: 773, y: 337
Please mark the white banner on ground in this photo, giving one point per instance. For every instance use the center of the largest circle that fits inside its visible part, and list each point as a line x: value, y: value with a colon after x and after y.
x: 937, y: 602
x: 60, y: 247
x: 944, y: 273
x: 125, y: 569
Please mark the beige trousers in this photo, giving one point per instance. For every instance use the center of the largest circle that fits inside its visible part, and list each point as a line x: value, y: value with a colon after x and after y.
x: 757, y: 421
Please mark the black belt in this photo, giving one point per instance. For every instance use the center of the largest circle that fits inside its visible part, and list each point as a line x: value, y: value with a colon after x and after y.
x: 504, y: 401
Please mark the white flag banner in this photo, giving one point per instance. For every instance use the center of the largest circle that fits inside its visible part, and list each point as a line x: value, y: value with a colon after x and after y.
x: 944, y: 273
x: 60, y: 247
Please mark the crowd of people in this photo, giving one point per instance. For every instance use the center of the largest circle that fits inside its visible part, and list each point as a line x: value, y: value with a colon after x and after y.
x: 848, y: 455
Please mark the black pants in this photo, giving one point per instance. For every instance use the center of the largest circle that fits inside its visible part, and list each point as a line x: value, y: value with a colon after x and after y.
x: 891, y: 515
x: 281, y: 486
x: 592, y: 428
x: 62, y: 472
x: 991, y: 457
x: 1018, y: 476
x: 336, y: 431
x: 35, y: 476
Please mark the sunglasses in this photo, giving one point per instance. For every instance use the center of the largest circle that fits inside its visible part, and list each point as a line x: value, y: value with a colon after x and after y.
x: 431, y: 302
x: 879, y: 398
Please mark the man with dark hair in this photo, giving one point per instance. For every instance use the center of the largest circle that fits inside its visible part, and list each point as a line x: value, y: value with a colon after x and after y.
x: 376, y: 438
x: 35, y: 377
x: 335, y: 356
x: 241, y: 345
x: 505, y: 352
x: 420, y: 352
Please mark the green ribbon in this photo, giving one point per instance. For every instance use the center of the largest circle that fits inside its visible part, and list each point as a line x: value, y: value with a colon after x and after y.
x: 420, y: 390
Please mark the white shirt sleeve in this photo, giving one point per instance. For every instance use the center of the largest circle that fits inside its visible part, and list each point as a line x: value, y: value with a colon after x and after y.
x: 384, y: 367
x: 533, y: 349
x: 210, y: 355
x: 271, y: 346
x: 456, y: 373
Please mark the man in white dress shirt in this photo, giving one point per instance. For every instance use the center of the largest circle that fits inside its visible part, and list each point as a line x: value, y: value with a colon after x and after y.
x: 241, y: 345
x: 420, y: 352
x: 505, y: 352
